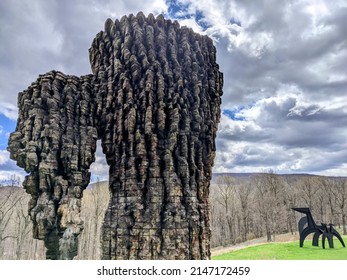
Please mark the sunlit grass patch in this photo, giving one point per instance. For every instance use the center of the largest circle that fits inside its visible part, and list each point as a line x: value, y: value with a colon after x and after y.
x: 288, y: 251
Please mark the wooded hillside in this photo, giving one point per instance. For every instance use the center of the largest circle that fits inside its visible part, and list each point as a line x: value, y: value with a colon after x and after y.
x: 242, y: 208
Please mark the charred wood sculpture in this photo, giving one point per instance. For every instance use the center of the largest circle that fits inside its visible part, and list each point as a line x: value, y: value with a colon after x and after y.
x: 307, y: 226
x: 154, y: 101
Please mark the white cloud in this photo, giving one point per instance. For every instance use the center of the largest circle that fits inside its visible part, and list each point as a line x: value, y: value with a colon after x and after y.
x: 99, y: 168
x: 284, y: 65
x: 254, y: 44
x: 190, y: 22
x: 9, y: 111
x: 285, y: 132
x: 119, y: 8
x: 4, y: 157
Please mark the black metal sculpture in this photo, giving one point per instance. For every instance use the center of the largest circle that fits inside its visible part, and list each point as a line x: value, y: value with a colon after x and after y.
x: 307, y: 226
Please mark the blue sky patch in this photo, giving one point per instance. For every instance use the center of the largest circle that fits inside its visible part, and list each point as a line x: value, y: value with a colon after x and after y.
x: 180, y: 11
x: 200, y: 19
x: 233, y: 114
x: 177, y: 10
x: 6, y: 126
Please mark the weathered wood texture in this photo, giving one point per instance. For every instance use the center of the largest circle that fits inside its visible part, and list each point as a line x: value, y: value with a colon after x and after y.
x: 154, y: 101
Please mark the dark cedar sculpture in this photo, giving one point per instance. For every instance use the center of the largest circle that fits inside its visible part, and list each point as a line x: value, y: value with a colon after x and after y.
x: 154, y: 101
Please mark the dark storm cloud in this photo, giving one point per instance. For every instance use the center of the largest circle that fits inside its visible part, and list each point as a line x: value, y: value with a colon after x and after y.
x: 296, y: 44
x: 38, y: 36
x: 287, y: 123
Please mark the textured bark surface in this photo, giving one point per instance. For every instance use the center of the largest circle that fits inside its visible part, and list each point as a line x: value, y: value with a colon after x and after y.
x: 154, y: 101
x: 55, y: 141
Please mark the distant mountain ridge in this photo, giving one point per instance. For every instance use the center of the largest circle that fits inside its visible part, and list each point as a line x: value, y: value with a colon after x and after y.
x: 246, y: 176
x: 250, y: 175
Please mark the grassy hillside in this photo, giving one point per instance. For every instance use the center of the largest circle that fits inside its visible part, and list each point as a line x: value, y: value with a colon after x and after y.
x: 287, y: 251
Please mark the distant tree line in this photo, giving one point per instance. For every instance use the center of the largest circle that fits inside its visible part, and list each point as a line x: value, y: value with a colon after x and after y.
x: 241, y: 209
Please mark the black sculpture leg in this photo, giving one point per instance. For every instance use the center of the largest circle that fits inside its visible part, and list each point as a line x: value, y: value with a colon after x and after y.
x: 306, y: 232
x: 302, y: 224
x: 323, y: 239
x: 335, y: 233
x: 331, y: 241
x: 316, y: 238
x: 329, y: 236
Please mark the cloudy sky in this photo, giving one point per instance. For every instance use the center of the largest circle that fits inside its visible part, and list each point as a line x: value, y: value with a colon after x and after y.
x: 284, y: 64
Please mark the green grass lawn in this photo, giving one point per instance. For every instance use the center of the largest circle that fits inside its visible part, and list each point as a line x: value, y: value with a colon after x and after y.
x: 288, y: 251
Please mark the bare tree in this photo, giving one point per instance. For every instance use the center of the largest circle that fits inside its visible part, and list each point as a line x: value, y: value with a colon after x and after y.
x: 269, y: 188
x: 226, y: 198
x: 290, y: 200
x: 321, y: 204
x: 94, y: 203
x: 16, y: 239
x: 8, y: 202
x: 340, y: 192
x: 309, y: 188
x: 244, y: 193
x: 23, y: 226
